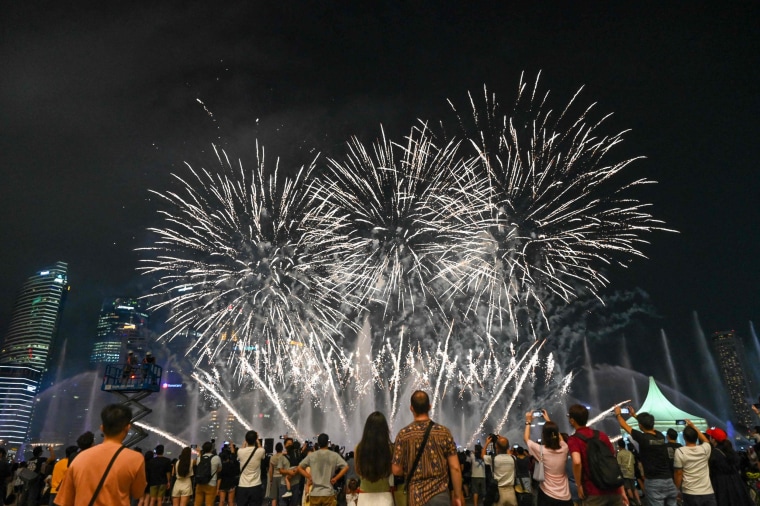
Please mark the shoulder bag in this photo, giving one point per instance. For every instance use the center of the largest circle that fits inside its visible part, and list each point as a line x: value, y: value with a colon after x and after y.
x: 103, y: 479
x: 538, y: 469
x: 248, y: 460
x: 408, y: 480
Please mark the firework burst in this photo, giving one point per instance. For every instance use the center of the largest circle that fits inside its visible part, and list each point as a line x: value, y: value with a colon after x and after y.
x: 554, y: 207
x: 233, y: 269
x: 429, y: 248
x: 389, y: 219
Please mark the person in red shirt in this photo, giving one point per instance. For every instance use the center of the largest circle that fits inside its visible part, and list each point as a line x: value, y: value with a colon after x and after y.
x: 589, y: 493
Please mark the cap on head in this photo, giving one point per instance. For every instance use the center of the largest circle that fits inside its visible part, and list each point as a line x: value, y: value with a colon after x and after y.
x: 149, y: 353
x: 717, y: 434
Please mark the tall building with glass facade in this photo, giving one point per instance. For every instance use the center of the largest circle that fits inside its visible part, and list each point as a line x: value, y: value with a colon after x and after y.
x: 25, y: 353
x: 122, y: 327
x: 729, y: 353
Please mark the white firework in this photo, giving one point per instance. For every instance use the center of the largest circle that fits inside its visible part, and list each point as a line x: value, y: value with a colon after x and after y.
x: 555, y: 207
x: 233, y: 267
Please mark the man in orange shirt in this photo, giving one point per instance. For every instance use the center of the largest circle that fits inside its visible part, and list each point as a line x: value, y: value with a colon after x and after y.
x: 124, y: 480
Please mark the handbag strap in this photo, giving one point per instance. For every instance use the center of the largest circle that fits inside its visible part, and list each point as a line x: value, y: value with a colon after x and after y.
x: 408, y: 480
x: 103, y: 479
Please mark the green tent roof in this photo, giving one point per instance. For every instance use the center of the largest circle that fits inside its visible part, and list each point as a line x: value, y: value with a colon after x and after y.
x: 664, y: 412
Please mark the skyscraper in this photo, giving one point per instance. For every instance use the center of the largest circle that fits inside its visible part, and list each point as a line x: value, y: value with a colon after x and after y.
x: 121, y: 328
x: 728, y: 353
x: 25, y: 354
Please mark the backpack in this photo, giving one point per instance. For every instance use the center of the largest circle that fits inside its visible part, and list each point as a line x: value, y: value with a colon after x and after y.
x: 603, y: 467
x: 203, y: 472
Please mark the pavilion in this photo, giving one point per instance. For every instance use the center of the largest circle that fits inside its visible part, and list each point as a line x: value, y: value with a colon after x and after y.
x: 666, y: 415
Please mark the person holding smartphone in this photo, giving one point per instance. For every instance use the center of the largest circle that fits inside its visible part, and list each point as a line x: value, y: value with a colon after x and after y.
x: 555, y: 489
x: 655, y: 458
x: 250, y: 491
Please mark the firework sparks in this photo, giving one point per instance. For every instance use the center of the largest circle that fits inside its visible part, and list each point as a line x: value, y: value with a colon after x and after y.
x: 553, y: 209
x: 386, y: 218
x: 404, y: 237
x: 232, y: 266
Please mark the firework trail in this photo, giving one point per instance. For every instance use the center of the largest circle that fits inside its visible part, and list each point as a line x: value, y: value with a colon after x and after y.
x: 209, y: 387
x: 518, y: 386
x: 499, y: 391
x: 174, y: 439
x: 273, y: 397
x: 334, y: 391
x: 606, y: 412
x: 444, y: 354
x: 554, y: 209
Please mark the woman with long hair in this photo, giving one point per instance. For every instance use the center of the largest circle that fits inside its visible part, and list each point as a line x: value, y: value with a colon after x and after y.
x: 372, y: 458
x: 183, y: 472
x: 555, y: 489
x: 724, y: 471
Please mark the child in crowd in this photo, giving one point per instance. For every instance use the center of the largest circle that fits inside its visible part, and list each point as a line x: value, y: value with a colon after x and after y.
x: 352, y: 492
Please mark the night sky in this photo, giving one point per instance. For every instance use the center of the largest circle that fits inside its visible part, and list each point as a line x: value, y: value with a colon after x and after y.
x: 99, y: 104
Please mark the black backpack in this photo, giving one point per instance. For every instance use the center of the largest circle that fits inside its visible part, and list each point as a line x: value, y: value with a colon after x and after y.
x: 603, y: 467
x: 203, y: 472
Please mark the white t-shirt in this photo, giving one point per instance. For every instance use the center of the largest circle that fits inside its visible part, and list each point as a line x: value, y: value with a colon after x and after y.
x: 696, y: 473
x: 251, y: 475
x: 478, y: 467
x: 503, y: 470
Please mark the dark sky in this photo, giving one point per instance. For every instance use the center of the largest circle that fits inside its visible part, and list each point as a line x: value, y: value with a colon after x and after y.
x: 98, y: 104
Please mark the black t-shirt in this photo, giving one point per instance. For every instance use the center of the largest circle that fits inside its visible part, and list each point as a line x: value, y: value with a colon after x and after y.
x: 653, y: 451
x: 522, y: 467
x: 672, y: 447
x: 156, y: 470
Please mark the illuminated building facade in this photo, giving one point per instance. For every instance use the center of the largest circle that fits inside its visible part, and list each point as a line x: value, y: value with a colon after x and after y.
x: 728, y: 354
x: 25, y: 354
x: 34, y: 323
x: 18, y: 388
x: 122, y: 327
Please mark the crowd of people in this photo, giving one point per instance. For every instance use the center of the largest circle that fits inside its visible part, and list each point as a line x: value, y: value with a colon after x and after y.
x: 421, y: 467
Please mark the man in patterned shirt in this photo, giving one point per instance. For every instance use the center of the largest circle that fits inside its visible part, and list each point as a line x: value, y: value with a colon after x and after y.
x: 429, y: 486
